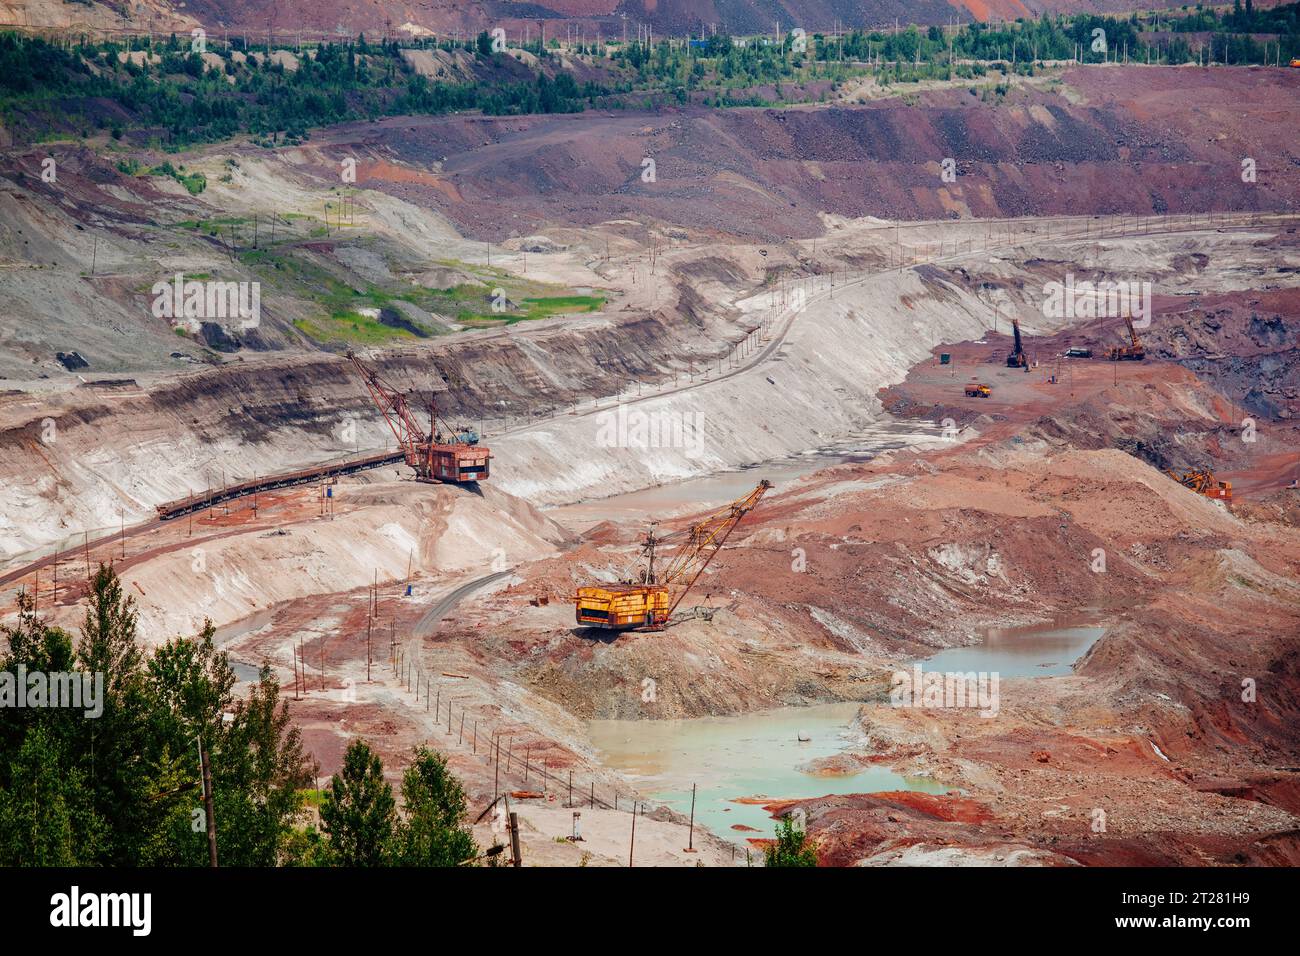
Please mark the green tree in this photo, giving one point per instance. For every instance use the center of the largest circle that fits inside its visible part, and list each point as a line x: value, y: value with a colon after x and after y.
x: 433, y: 832
x: 263, y: 768
x: 46, y: 817
x: 113, y: 749
x: 358, y: 811
x: 791, y: 847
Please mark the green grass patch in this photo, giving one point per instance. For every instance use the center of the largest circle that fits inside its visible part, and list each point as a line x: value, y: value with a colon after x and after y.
x: 352, y: 328
x: 532, y: 308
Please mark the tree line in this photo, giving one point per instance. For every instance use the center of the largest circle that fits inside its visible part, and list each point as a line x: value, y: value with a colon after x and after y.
x: 183, y: 98
x: 125, y: 787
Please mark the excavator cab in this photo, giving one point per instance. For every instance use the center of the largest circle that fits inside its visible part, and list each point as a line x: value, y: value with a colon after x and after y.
x: 647, y: 596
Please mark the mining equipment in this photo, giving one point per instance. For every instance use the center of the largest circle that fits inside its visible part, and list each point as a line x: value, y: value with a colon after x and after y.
x: 1203, y: 482
x: 1295, y: 63
x: 1133, y: 352
x: 978, y: 390
x: 1016, y: 358
x: 647, y: 596
x: 438, y: 456
x: 1078, y: 351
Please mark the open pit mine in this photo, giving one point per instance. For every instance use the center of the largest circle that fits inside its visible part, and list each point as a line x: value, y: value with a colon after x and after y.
x: 900, y: 474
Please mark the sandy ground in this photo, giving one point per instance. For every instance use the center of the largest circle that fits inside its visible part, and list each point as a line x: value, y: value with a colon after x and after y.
x: 607, y: 839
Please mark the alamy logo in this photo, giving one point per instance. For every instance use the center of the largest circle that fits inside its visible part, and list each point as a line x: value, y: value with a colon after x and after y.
x: 76, y: 690
x: 189, y: 303
x: 632, y: 428
x: 917, y: 688
x: 1098, y: 300
x: 73, y: 909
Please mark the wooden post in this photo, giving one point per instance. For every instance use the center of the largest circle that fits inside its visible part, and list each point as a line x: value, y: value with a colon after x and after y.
x: 514, y: 838
x: 632, y: 845
x: 690, y: 843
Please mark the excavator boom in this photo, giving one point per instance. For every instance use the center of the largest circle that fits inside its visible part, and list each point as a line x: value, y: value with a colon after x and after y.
x: 647, y: 599
x: 1017, y: 358
x: 433, y: 460
x: 1134, y: 351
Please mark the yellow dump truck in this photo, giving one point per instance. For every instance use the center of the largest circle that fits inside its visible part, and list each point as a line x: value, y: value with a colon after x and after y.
x: 623, y: 605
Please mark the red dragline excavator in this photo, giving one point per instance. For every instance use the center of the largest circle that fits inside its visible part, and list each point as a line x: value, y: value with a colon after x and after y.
x: 647, y: 597
x: 458, y: 459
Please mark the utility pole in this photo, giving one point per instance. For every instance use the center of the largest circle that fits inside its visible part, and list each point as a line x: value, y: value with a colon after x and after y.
x: 514, y: 839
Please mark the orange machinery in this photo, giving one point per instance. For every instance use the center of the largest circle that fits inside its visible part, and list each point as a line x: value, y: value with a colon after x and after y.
x: 459, y: 459
x: 1134, y: 351
x: 978, y: 390
x: 1203, y: 482
x: 647, y: 597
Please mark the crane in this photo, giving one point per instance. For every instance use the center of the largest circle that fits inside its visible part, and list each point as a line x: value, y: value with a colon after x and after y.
x: 459, y: 460
x: 647, y: 597
x: 1133, y: 352
x: 1016, y: 358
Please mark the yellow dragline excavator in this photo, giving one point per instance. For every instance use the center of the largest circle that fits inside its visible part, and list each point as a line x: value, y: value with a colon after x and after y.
x: 646, y: 598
